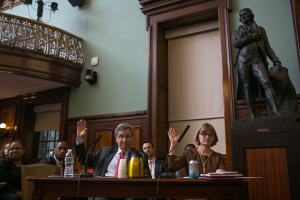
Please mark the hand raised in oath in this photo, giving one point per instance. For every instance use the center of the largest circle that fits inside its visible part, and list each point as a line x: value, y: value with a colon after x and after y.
x: 81, y: 129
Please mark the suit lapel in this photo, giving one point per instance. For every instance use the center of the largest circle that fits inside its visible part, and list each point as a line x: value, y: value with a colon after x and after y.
x: 109, y: 156
x: 52, y: 160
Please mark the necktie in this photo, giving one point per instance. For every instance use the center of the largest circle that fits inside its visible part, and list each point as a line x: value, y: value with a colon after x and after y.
x: 150, y: 164
x: 117, y: 169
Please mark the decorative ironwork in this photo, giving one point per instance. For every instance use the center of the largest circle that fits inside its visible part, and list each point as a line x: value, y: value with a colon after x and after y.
x: 9, y: 4
x: 28, y: 35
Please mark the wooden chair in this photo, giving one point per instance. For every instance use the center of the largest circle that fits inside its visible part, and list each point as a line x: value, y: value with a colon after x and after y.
x: 41, y: 170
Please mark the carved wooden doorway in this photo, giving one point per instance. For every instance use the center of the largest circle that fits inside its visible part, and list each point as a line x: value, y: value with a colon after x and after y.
x: 162, y: 16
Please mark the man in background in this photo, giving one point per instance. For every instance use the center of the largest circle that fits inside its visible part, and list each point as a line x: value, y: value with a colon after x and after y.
x: 156, y: 166
x: 58, y: 158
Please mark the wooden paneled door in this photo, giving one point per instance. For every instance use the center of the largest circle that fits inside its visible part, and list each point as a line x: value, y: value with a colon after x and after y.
x: 271, y: 165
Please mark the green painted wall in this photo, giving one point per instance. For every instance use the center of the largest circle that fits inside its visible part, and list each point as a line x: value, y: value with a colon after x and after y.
x: 114, y: 31
x: 276, y: 17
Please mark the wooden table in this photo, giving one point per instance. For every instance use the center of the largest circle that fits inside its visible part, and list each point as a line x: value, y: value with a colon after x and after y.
x: 229, y: 188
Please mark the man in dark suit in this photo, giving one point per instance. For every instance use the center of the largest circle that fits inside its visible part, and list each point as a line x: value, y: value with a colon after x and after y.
x: 156, y: 166
x: 104, y: 161
x: 252, y: 48
x: 58, y: 158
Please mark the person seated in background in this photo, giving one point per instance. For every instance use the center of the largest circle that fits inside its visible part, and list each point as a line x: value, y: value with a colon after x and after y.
x: 10, y: 171
x: 4, y: 151
x: 156, y: 166
x: 181, y: 172
x: 58, y: 159
x: 189, y: 146
x: 209, y: 160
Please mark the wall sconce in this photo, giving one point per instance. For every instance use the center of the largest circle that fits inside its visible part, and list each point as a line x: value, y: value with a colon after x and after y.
x: 3, y: 125
x: 90, y: 76
x: 3, y: 131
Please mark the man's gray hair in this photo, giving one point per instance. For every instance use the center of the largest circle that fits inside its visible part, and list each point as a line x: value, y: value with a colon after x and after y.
x: 123, y: 126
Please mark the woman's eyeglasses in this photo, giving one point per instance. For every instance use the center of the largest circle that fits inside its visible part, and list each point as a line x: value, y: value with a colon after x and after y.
x: 205, y: 135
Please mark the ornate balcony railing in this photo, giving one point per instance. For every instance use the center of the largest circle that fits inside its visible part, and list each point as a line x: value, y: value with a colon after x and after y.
x: 28, y: 35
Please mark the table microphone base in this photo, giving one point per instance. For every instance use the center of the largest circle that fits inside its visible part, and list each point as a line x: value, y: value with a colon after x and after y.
x: 86, y: 174
x: 167, y: 175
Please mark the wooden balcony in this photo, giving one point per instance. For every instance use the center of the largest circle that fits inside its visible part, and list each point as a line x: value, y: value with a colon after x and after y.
x: 32, y: 48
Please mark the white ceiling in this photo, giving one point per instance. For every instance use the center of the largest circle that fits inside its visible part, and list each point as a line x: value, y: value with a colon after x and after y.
x: 12, y: 85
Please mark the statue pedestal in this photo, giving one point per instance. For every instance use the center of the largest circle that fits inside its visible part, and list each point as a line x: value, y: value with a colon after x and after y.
x: 268, y: 148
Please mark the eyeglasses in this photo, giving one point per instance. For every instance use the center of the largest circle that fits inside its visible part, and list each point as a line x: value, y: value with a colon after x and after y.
x: 209, y: 135
x: 121, y: 137
x: 12, y: 149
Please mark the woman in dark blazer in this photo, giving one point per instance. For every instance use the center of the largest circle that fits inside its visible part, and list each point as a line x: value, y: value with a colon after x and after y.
x: 10, y: 172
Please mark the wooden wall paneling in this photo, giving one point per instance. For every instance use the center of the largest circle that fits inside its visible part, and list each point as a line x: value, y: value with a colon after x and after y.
x: 107, y: 138
x: 10, y: 114
x: 136, y: 142
x: 271, y: 165
x: 165, y: 15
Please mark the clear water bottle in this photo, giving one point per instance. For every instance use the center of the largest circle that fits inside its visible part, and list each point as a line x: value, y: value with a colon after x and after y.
x: 193, y: 169
x: 69, y: 164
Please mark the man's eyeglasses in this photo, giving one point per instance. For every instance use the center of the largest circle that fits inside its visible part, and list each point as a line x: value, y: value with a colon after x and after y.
x: 12, y: 149
x: 209, y: 135
x: 121, y: 137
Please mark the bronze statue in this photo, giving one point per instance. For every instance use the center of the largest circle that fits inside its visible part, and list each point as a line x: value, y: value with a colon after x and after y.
x: 285, y: 91
x: 252, y: 48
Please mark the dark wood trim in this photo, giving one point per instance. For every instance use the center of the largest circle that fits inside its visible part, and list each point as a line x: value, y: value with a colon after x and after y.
x: 295, y: 7
x: 165, y: 15
x: 30, y: 64
x: 108, y: 116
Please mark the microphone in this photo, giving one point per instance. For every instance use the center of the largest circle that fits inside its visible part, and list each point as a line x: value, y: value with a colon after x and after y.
x: 183, y: 134
x: 85, y: 173
x: 168, y: 174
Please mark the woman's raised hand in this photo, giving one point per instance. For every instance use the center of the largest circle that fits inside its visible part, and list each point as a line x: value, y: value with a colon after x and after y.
x: 172, y: 136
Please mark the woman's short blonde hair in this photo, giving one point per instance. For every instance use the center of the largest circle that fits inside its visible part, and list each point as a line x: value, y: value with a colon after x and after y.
x: 203, y: 129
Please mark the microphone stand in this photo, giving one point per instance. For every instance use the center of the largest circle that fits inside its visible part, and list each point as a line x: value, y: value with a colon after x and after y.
x: 168, y: 174
x: 86, y: 173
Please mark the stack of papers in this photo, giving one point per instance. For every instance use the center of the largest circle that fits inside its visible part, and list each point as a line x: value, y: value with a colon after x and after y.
x: 222, y: 174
